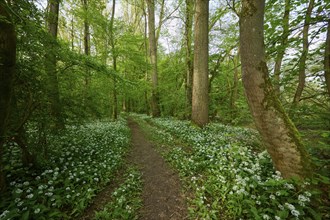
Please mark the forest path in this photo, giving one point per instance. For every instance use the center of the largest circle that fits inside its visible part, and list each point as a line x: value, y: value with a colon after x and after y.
x: 162, y: 196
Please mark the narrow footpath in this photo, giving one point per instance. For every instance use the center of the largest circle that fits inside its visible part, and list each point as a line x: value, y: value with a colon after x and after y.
x: 162, y: 196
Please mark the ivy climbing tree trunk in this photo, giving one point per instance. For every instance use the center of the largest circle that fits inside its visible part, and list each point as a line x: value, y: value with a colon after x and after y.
x: 7, y: 73
x: 153, y: 58
x: 114, y: 60
x: 302, y: 62
x: 200, y: 91
x: 278, y: 132
x: 189, y: 54
x: 327, y: 59
x: 50, y: 63
x: 282, y: 47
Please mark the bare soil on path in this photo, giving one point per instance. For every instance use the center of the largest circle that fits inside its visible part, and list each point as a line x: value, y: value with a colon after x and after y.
x: 162, y: 195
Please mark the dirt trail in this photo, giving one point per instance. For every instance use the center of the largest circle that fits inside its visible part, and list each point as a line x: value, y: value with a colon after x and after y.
x: 162, y: 198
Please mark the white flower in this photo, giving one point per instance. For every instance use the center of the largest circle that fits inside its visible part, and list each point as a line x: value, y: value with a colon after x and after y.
x: 49, y: 194
x: 277, y: 218
x: 272, y: 197
x: 308, y: 194
x: 302, y: 198
x: 295, y: 212
x: 36, y: 211
x: 26, y: 183
x: 290, y: 206
x: 19, y: 191
x: 266, y: 217
x: 30, y: 196
x: 289, y: 186
x: 4, y: 214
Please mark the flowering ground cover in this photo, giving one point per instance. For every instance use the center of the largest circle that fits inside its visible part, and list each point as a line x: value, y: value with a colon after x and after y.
x: 230, y: 175
x: 80, y: 163
x: 126, y: 199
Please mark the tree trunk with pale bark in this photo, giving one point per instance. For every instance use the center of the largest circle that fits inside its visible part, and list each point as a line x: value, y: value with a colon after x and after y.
x: 200, y: 91
x: 277, y: 131
x: 327, y: 59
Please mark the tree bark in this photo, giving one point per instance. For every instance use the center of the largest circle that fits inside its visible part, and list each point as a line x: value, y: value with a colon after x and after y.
x: 282, y: 47
x: 189, y: 54
x: 327, y: 59
x: 302, y: 62
x: 278, y: 132
x: 7, y: 74
x: 200, y: 99
x: 153, y: 58
x: 86, y: 51
x: 234, y: 89
x: 114, y: 61
x: 52, y: 83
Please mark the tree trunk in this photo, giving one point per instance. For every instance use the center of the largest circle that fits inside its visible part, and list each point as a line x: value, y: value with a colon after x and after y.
x: 161, y: 16
x: 7, y: 73
x: 327, y: 59
x: 200, y: 99
x: 278, y: 132
x: 302, y: 62
x: 153, y: 58
x: 114, y: 61
x: 52, y: 83
x: 146, y: 99
x: 234, y: 89
x: 189, y: 54
x: 86, y: 51
x: 282, y: 47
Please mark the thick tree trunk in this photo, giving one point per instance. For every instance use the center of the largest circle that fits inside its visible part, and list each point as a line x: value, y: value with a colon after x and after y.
x: 52, y: 83
x: 282, y: 47
x: 7, y: 73
x: 327, y: 59
x: 189, y: 54
x: 302, y: 62
x: 153, y: 58
x: 200, y: 96
x: 278, y: 132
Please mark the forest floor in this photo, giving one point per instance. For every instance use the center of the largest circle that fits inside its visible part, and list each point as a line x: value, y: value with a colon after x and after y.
x: 162, y: 195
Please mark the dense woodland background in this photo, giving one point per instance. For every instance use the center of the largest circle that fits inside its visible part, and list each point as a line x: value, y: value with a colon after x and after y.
x: 74, y: 61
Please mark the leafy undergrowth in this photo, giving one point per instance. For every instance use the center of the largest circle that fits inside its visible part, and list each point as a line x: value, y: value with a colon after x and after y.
x: 231, y: 176
x: 126, y: 199
x: 80, y: 163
